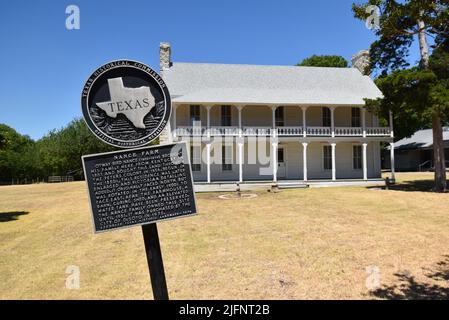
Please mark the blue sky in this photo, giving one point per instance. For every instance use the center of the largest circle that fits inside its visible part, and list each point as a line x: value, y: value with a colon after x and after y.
x: 43, y: 65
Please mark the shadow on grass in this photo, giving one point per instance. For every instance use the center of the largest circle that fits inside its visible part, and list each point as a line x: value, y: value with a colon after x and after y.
x: 413, y: 185
x: 408, y: 288
x: 11, y: 216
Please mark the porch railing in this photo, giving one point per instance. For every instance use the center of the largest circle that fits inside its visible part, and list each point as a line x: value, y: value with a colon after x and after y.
x: 284, y: 131
x: 289, y: 131
x: 257, y: 131
x: 224, y: 131
x: 190, y: 131
x: 318, y: 131
x: 348, y: 131
x: 378, y: 131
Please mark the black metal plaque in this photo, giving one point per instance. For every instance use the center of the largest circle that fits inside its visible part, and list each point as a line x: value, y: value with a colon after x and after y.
x: 125, y: 103
x: 139, y: 186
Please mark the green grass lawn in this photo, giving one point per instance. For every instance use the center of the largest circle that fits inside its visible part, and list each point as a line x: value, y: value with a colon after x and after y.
x: 295, y: 244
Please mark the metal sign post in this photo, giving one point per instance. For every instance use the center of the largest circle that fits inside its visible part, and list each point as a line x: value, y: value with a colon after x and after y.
x: 155, y: 263
x: 127, y: 104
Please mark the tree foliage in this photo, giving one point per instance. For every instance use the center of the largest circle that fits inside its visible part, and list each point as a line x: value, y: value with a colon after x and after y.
x: 409, y: 94
x: 3, y: 141
x: 324, y: 61
x: 16, y: 155
x: 418, y: 95
x: 57, y: 153
x: 60, y: 151
x: 399, y: 27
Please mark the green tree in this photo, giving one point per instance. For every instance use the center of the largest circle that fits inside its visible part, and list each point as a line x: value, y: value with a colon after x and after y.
x: 324, y: 61
x: 419, y: 92
x: 57, y: 153
x: 60, y: 151
x: 3, y: 141
x: 16, y: 156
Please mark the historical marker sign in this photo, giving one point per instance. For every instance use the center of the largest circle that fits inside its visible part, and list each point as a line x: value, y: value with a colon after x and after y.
x: 125, y: 103
x: 139, y: 186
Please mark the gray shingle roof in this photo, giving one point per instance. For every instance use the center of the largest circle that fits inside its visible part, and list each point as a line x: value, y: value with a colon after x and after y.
x: 252, y: 84
x: 421, y: 139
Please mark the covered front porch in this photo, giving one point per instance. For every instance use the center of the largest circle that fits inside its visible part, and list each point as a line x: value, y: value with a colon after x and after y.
x: 286, y: 160
x: 268, y: 185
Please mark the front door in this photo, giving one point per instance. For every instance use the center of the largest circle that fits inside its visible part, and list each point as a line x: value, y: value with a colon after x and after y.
x: 281, y: 163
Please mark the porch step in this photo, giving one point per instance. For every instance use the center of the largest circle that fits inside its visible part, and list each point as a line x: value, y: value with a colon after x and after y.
x: 216, y: 187
x: 292, y: 185
x: 244, y: 187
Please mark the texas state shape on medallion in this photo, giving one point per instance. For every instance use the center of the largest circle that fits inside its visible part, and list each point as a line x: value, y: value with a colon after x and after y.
x: 134, y: 103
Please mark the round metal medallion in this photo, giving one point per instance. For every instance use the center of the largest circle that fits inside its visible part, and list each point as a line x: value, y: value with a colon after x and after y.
x: 125, y: 103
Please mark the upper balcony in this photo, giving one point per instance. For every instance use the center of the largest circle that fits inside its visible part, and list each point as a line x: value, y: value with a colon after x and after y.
x: 196, y: 131
x: 276, y: 121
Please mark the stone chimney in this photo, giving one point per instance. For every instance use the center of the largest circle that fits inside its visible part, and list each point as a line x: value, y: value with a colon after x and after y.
x: 165, y: 64
x: 361, y: 61
x: 164, y: 56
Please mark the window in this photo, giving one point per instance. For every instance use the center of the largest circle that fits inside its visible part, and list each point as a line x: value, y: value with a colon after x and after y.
x: 357, y: 157
x: 226, y: 158
x: 195, y: 154
x: 225, y: 116
x: 327, y: 157
x: 355, y: 117
x: 279, y: 116
x: 326, y: 113
x: 280, y: 155
x: 194, y: 114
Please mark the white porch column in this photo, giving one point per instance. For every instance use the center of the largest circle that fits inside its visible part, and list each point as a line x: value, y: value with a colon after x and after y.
x: 332, y: 109
x: 208, y: 161
x: 363, y: 111
x: 304, y: 160
x: 365, y: 167
x: 239, y: 109
x: 304, y: 124
x: 390, y: 122
x: 334, y: 175
x: 392, y: 161
x: 208, y: 121
x: 174, y: 121
x: 274, y: 160
x: 240, y: 145
x: 273, y: 111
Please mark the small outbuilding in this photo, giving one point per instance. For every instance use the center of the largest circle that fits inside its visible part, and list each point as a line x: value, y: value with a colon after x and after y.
x: 415, y: 153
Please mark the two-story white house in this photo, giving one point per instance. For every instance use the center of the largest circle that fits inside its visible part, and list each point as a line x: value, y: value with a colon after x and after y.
x: 248, y: 123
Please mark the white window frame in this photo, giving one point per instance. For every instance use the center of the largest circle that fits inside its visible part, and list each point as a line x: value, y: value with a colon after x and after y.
x: 193, y: 156
x: 283, y: 117
x: 223, y: 107
x: 283, y: 148
x: 359, y: 117
x: 227, y: 157
x: 322, y: 157
x: 322, y: 117
x: 361, y: 156
x: 191, y: 120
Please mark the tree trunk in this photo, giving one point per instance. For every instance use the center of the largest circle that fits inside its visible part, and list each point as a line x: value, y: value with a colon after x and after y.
x: 423, y: 47
x: 438, y: 153
x: 437, y: 130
